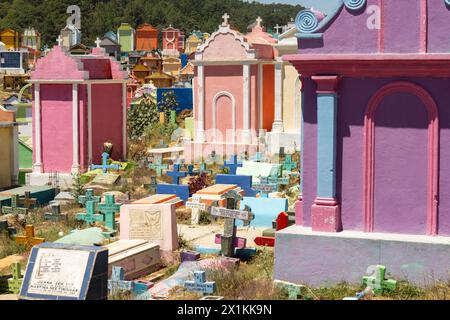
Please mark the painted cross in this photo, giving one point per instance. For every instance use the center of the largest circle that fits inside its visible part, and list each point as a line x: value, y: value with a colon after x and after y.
x: 233, y: 164
x: 109, y: 209
x: 14, y: 209
x: 199, y: 284
x: 258, y: 22
x: 294, y: 290
x: 176, y: 174
x: 158, y: 167
x: 284, y: 181
x: 288, y: 164
x: 196, y: 206
x: 98, y: 42
x: 15, y: 282
x: 277, y: 28
x: 29, y: 240
x: 225, y: 20
x: 104, y: 166
x: 258, y: 157
x: 265, y: 187
x: 59, y: 40
x: 28, y: 201
x: 230, y: 213
x: 88, y: 196
x: 190, y: 169
x: 378, y: 280
x: 117, y: 283
x: 55, y: 215
x: 90, y: 216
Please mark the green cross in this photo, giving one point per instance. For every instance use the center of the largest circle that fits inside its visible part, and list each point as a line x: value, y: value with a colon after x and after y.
x: 14, y: 209
x: 378, y: 282
x: 158, y: 167
x: 90, y: 217
x: 109, y: 209
x: 15, y: 282
x: 88, y: 196
x: 294, y: 290
x: 288, y: 164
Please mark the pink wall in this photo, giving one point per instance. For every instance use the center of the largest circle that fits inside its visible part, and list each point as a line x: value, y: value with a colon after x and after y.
x: 225, y: 46
x: 106, y: 119
x: 83, y: 126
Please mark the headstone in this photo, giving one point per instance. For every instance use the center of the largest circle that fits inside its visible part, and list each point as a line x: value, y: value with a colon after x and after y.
x: 199, y: 284
x: 14, y: 209
x: 56, y: 214
x: 196, y: 206
x: 181, y: 191
x: 88, y: 196
x: 15, y: 282
x: 378, y: 280
x: 117, y: 284
x: 104, y: 166
x: 264, y: 187
x: 137, y: 257
x: 176, y: 174
x: 152, y: 219
x: 245, y: 182
x: 109, y: 209
x: 90, y: 216
x: 233, y: 164
x: 188, y: 255
x: 29, y: 240
x: 66, y: 272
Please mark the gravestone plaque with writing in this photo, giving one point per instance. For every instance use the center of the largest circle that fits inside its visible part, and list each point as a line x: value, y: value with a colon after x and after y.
x: 66, y: 272
x: 145, y: 224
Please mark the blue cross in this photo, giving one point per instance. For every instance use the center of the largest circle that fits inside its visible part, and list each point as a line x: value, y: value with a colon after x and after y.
x: 104, y: 166
x: 200, y: 285
x: 176, y: 174
x: 117, y: 282
x: 190, y: 170
x: 233, y: 164
x: 258, y: 157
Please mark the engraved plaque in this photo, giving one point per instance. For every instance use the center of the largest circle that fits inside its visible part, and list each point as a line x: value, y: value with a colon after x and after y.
x: 146, y: 224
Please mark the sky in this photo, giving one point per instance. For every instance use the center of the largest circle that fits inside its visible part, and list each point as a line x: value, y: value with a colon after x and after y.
x: 323, y: 5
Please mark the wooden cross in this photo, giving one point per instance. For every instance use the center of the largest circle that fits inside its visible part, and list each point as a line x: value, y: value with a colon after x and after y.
x: 27, y: 201
x: 158, y: 167
x: 199, y: 284
x: 288, y: 164
x: 88, y: 196
x: 90, y: 217
x: 230, y: 214
x: 15, y: 282
x: 109, y: 209
x: 104, y: 166
x: 29, y: 240
x: 258, y: 22
x: 117, y: 283
x: 378, y: 281
x: 225, y: 20
x: 176, y: 174
x: 59, y: 40
x: 233, y: 164
x: 14, y: 209
x: 98, y: 42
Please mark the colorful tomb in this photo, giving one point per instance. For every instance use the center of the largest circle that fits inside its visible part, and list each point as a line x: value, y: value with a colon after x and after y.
x: 173, y: 41
x: 126, y: 38
x: 79, y: 103
x: 10, y: 38
x: 146, y: 38
x: 375, y: 167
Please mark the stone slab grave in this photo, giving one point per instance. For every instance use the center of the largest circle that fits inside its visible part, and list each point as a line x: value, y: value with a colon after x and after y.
x: 55, y: 214
x: 63, y: 198
x: 66, y: 272
x: 217, y: 193
x: 152, y: 219
x: 295, y: 291
x: 199, y: 284
x: 85, y: 237
x: 136, y: 257
x: 265, y: 210
x: 258, y: 169
x: 43, y: 194
x: 189, y: 255
x: 14, y: 208
x: 107, y: 179
x: 245, y: 182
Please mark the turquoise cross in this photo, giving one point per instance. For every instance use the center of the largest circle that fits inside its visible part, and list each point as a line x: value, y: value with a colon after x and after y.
x: 158, y: 167
x: 378, y: 281
x: 109, y: 209
x: 288, y: 164
x: 88, y: 196
x: 90, y: 217
x: 104, y: 166
x: 117, y: 283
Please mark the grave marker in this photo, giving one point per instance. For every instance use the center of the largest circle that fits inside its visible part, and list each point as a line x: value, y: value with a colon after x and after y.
x: 104, y: 166
x: 15, y: 282
x: 378, y: 280
x: 176, y: 174
x: 88, y: 196
x: 56, y: 215
x: 196, y: 206
x: 158, y: 167
x: 27, y: 201
x: 199, y: 284
x: 29, y: 240
x: 90, y: 216
x: 109, y: 209
x: 117, y: 283
x: 288, y: 164
x: 294, y: 290
x: 265, y: 187
x: 233, y: 164
x: 14, y: 209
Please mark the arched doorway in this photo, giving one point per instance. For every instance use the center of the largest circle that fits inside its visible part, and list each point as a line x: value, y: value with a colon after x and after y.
x: 224, y: 117
x: 401, y: 161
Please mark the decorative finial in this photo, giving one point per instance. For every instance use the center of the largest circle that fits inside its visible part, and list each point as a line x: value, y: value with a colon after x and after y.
x: 97, y: 42
x: 225, y: 20
x: 258, y: 22
x: 59, y: 40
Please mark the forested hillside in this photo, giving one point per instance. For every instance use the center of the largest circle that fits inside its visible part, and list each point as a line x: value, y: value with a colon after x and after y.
x: 100, y: 16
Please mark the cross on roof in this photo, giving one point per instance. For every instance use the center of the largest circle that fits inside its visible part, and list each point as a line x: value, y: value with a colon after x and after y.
x: 258, y: 22
x: 15, y: 282
x: 104, y: 166
x: 97, y: 42
x: 225, y: 20
x: 233, y: 164
x: 277, y: 28
x: 176, y: 174
x: 29, y: 240
x: 117, y: 282
x: 14, y: 209
x: 199, y: 284
x: 109, y: 209
x: 59, y: 40
x: 90, y: 216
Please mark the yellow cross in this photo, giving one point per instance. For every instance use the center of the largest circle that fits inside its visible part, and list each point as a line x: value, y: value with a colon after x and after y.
x: 29, y: 240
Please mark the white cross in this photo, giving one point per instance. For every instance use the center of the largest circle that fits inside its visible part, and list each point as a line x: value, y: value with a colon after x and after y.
x: 258, y: 22
x: 97, y: 42
x: 59, y: 40
x: 277, y: 28
x: 225, y: 20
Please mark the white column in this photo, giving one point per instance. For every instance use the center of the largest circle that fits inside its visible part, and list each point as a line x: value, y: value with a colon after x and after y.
x: 124, y: 121
x: 89, y: 112
x: 261, y: 97
x: 200, y: 136
x: 75, y: 134
x: 37, y: 166
x: 246, y: 104
x: 278, y: 121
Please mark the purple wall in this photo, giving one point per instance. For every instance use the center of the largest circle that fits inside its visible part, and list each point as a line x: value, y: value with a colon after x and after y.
x: 405, y: 130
